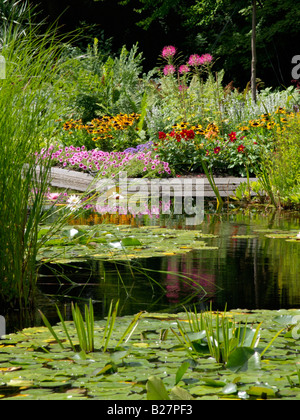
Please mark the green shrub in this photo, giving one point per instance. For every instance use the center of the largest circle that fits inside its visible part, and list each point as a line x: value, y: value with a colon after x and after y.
x: 284, y: 163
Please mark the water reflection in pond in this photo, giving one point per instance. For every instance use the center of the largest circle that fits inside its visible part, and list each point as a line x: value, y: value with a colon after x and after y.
x: 254, y: 272
x: 248, y: 270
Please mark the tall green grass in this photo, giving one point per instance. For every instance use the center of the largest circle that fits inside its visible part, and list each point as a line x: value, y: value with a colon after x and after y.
x: 27, y: 111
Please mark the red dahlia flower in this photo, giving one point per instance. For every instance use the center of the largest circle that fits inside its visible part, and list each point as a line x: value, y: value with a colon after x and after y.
x: 232, y: 136
x: 241, y: 148
x: 188, y: 134
x: 161, y: 135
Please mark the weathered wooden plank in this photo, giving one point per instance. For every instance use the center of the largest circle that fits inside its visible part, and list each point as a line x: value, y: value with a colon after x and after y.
x: 81, y: 182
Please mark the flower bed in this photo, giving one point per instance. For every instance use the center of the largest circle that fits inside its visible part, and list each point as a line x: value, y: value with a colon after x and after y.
x: 108, y: 164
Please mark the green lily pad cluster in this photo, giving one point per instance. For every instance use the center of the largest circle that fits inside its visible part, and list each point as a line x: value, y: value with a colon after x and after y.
x: 153, y: 364
x: 122, y: 242
x: 290, y: 236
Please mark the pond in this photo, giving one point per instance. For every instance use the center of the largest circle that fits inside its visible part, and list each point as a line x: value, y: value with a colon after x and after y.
x: 251, y: 260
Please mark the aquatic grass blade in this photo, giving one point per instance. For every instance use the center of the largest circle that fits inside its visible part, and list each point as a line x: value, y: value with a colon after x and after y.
x: 89, y: 320
x: 130, y: 329
x: 80, y: 327
x: 48, y: 325
x: 111, y: 319
x: 65, y: 328
x: 256, y: 336
x: 271, y: 342
x: 212, y: 184
x: 107, y: 323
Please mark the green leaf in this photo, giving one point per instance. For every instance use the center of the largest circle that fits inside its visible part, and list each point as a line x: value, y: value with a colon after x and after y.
x: 285, y: 320
x: 181, y: 371
x: 108, y: 369
x: 130, y: 242
x: 214, y: 383
x: 238, y: 359
x: 262, y: 391
x: 156, y: 389
x: 178, y: 393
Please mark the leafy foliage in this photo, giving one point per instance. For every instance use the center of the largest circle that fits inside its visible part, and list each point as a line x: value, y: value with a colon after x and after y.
x: 147, y: 365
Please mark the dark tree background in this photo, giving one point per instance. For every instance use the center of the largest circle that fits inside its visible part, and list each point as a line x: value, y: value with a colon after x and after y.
x: 222, y: 28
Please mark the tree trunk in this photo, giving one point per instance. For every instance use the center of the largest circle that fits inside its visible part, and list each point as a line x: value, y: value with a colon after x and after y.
x: 253, y: 48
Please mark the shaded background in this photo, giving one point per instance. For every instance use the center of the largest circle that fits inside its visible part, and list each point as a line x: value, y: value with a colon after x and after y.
x: 222, y: 28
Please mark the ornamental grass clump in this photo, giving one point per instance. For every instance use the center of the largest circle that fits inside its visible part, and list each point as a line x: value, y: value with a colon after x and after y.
x: 27, y: 109
x: 86, y: 331
x: 228, y: 342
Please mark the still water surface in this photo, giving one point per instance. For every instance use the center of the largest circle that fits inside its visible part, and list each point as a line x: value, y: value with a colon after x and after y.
x: 253, y: 272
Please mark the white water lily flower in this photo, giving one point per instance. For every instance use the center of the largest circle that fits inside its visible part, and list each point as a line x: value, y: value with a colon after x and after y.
x: 298, y: 236
x: 73, y: 202
x: 73, y: 232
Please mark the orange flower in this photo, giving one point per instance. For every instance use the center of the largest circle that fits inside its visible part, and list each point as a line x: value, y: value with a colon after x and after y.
x: 211, y: 134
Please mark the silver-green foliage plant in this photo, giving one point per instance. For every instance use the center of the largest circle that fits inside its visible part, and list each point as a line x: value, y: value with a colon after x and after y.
x: 96, y: 85
x: 27, y: 111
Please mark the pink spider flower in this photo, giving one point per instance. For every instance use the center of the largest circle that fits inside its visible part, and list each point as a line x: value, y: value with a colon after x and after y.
x: 168, y: 51
x: 195, y: 60
x: 169, y: 69
x: 184, y: 69
x: 206, y: 58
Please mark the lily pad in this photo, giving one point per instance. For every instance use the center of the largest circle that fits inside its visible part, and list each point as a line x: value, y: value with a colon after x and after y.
x: 123, y: 373
x: 244, y: 236
x: 119, y: 243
